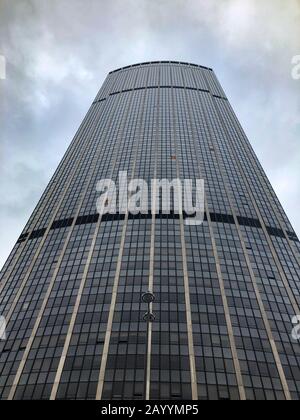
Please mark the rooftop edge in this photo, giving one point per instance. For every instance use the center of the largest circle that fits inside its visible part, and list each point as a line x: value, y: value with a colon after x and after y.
x: 160, y: 62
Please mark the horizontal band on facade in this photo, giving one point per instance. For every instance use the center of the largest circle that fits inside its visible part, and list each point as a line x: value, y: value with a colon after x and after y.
x: 215, y: 218
x: 160, y: 87
x: 151, y: 63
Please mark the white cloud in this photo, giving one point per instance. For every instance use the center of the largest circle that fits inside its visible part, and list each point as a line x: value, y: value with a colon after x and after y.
x: 55, y: 69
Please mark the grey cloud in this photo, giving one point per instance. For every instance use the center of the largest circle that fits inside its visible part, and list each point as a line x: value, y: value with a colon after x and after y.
x: 59, y: 52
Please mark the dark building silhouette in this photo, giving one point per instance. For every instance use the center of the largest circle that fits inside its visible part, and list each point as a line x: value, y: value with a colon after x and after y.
x: 226, y: 291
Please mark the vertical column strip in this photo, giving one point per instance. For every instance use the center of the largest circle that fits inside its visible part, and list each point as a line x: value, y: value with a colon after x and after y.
x: 233, y: 347
x: 252, y: 275
x: 116, y: 279
x: 194, y: 385
x: 152, y: 248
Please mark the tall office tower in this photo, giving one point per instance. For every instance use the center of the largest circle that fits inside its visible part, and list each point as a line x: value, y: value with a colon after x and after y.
x: 225, y: 291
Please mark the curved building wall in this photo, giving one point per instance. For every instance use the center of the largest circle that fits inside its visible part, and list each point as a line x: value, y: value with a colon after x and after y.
x: 226, y: 291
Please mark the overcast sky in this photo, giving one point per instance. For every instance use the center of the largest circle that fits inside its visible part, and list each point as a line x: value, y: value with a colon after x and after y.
x: 58, y: 53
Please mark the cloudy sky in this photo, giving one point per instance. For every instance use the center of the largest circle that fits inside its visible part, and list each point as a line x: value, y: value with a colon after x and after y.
x: 58, y: 53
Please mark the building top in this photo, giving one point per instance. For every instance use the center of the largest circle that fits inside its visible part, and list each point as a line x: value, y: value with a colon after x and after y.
x: 161, y: 62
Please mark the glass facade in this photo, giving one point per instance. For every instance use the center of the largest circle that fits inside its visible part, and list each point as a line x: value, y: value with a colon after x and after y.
x: 226, y: 291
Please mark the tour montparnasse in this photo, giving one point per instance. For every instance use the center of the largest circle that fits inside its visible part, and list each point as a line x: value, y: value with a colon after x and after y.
x: 146, y: 306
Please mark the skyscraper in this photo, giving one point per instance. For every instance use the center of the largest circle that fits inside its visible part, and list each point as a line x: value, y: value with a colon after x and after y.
x: 226, y: 291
